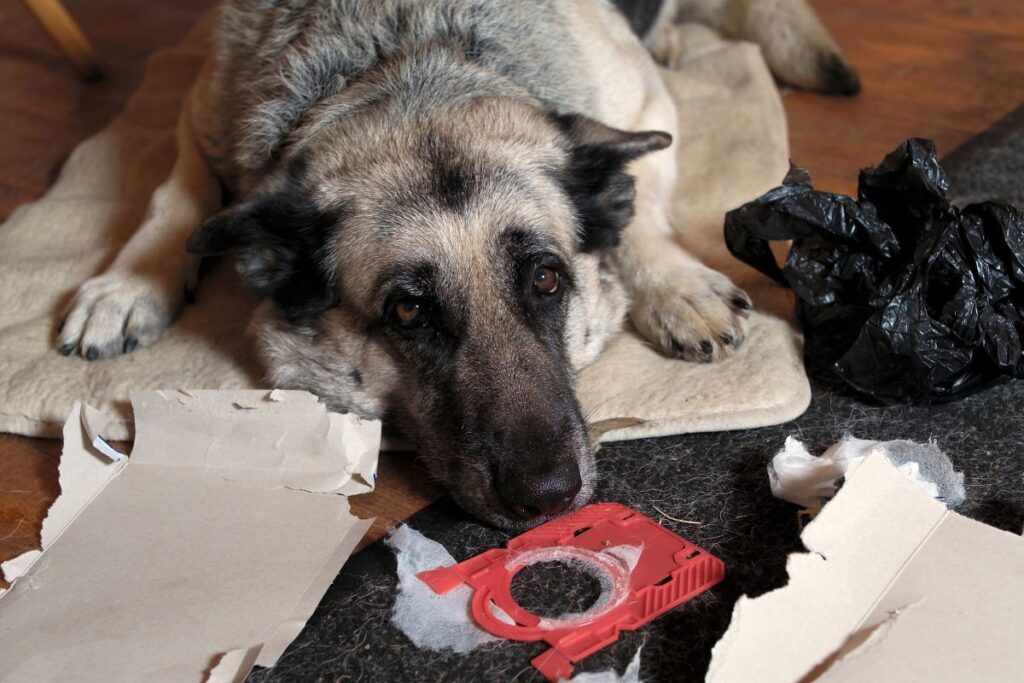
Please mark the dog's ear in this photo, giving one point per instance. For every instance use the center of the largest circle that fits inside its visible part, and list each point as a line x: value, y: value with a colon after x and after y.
x: 280, y: 244
x: 595, y: 178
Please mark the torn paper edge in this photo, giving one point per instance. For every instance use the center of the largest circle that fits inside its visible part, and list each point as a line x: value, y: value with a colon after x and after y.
x: 345, y: 433
x: 233, y: 666
x: 859, y: 643
x: 812, y: 581
x: 86, y: 468
x: 82, y: 474
x: 783, y: 635
x: 630, y: 675
x: 95, y: 424
x: 287, y: 631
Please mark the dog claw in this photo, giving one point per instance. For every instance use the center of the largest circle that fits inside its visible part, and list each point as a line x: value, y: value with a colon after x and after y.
x: 741, y: 303
x: 695, y: 313
x: 119, y: 312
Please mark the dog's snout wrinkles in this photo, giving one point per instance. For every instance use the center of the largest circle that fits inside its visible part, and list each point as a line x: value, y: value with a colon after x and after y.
x: 531, y: 494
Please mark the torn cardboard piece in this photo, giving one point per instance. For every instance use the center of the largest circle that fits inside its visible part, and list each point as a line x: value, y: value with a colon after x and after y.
x: 201, y: 555
x: 895, y: 587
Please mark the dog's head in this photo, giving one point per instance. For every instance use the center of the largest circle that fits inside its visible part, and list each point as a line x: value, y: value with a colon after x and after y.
x: 446, y: 270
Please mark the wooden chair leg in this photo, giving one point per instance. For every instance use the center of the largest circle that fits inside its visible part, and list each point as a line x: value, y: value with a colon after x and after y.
x: 64, y: 31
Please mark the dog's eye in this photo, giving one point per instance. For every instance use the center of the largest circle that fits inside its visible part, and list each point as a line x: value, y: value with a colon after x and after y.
x: 411, y: 313
x: 545, y: 280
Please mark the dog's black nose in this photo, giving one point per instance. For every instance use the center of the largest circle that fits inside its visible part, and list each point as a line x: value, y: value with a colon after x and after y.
x: 541, y: 493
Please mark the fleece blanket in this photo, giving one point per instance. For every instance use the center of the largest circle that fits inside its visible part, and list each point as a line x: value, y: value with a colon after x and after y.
x: 732, y: 147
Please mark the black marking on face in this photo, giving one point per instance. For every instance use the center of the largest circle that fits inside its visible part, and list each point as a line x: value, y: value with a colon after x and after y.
x: 356, y: 377
x: 280, y: 241
x: 491, y: 389
x: 454, y: 186
x: 525, y: 252
x: 452, y: 182
x: 432, y: 345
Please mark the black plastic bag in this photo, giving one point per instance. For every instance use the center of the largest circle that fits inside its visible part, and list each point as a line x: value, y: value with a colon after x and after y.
x: 927, y: 300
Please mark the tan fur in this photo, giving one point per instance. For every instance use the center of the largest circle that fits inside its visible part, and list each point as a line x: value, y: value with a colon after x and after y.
x: 145, y: 287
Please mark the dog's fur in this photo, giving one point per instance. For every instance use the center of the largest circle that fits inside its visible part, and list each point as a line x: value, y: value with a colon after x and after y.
x: 407, y: 178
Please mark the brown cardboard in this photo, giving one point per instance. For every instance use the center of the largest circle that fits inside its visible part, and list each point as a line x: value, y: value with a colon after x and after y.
x: 203, y: 553
x: 895, y: 587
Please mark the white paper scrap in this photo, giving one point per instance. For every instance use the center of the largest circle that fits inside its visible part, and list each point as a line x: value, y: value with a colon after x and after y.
x: 94, y: 422
x: 799, y: 477
x: 630, y: 675
x: 429, y: 620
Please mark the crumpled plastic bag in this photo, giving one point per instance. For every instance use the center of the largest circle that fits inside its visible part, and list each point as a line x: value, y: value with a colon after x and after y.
x: 926, y: 299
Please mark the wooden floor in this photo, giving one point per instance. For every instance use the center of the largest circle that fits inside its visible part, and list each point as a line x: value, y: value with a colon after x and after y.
x: 942, y: 69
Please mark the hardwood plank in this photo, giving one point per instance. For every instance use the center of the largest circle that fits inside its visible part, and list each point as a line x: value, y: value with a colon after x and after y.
x: 27, y: 489
x: 930, y: 68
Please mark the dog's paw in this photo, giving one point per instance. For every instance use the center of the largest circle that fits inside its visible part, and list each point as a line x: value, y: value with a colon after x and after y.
x: 693, y: 313
x: 116, y: 312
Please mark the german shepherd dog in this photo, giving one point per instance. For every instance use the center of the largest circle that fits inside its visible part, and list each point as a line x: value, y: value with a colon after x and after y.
x: 448, y: 207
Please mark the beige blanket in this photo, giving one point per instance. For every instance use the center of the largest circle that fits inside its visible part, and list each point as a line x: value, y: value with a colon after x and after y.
x: 732, y: 147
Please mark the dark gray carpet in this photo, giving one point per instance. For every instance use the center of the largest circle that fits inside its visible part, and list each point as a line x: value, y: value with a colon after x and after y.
x: 991, y: 165
x: 717, y: 479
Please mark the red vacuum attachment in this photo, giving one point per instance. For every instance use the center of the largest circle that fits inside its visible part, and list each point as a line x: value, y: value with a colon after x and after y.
x: 647, y: 571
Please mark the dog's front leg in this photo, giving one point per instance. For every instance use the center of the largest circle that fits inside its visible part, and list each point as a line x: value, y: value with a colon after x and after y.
x: 680, y: 305
x: 133, y: 302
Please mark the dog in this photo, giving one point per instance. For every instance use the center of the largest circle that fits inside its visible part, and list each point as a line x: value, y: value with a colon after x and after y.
x: 448, y: 207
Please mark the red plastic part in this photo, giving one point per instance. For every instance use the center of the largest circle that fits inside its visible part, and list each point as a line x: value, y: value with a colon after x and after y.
x: 670, y: 571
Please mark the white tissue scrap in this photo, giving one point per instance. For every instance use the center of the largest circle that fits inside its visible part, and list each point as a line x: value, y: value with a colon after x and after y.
x: 432, y: 621
x: 95, y: 422
x: 799, y: 477
x: 630, y: 675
